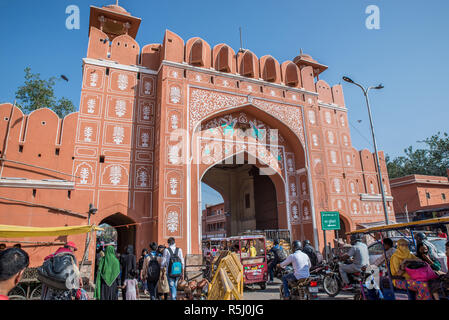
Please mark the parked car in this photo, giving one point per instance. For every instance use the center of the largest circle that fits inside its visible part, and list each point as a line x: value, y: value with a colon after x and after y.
x: 375, y: 249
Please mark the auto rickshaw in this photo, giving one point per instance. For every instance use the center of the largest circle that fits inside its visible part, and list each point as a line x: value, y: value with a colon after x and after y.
x: 386, y: 285
x: 253, y: 256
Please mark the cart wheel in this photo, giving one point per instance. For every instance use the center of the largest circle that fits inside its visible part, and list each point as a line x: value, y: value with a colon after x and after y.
x: 263, y: 285
x: 17, y: 291
x: 17, y: 298
x: 36, y: 293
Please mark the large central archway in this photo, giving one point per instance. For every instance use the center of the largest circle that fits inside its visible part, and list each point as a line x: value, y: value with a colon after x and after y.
x: 249, y: 136
x: 252, y: 200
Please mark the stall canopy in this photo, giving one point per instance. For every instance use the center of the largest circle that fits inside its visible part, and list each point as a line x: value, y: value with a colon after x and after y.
x: 401, y: 226
x: 28, y: 232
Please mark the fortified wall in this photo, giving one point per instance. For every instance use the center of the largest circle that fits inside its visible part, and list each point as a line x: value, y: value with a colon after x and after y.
x: 118, y: 151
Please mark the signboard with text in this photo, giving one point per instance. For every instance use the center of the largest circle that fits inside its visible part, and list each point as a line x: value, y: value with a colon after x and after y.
x: 330, y: 220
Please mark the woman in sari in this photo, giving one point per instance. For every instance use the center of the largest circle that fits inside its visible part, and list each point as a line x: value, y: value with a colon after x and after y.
x: 398, y: 260
x: 108, y: 280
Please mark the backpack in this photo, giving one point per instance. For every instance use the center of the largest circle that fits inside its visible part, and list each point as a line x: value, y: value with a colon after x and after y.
x: 282, y: 254
x: 153, y: 269
x: 175, y: 264
x: 59, y: 272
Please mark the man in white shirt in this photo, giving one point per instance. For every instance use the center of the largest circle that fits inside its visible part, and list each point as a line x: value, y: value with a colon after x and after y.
x: 172, y: 282
x: 301, y: 265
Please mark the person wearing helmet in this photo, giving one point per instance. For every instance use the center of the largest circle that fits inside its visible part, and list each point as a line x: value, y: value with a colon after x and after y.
x: 360, y: 255
x: 301, y: 266
x: 310, y: 251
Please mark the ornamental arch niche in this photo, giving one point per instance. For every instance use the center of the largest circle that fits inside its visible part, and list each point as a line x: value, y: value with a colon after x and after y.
x: 256, y: 136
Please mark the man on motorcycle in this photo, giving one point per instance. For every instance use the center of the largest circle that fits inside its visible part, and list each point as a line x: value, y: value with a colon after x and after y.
x: 277, y: 258
x: 359, y: 252
x: 301, y: 267
x: 310, y: 251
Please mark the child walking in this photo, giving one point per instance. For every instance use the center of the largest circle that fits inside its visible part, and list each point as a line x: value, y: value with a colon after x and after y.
x: 131, y: 286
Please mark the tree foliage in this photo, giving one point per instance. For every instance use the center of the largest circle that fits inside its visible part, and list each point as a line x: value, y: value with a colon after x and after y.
x: 38, y: 93
x: 432, y: 160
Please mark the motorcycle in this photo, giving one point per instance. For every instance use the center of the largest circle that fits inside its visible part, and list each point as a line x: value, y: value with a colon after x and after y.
x: 319, y: 272
x: 333, y: 283
x: 303, y: 289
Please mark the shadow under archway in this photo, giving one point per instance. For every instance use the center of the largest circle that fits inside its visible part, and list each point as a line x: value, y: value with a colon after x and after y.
x: 126, y: 235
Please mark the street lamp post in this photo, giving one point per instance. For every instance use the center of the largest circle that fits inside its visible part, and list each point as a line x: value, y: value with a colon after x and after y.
x: 365, y: 92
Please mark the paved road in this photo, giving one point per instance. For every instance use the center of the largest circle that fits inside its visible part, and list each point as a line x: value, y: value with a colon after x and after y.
x: 272, y: 293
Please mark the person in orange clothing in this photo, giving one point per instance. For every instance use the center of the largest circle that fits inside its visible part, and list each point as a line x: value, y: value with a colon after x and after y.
x: 13, y: 263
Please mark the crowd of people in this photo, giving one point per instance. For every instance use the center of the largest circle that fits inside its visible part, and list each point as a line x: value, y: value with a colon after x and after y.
x: 158, y: 271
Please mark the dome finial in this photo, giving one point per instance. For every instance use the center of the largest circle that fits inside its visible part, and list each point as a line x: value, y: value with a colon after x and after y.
x: 300, y: 50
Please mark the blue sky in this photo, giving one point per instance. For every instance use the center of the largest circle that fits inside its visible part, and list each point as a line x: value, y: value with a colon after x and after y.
x: 409, y: 54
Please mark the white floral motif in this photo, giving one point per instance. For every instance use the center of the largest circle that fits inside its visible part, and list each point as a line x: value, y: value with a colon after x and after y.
x: 118, y: 135
x: 315, y: 140
x: 147, y: 87
x: 327, y: 116
x: 88, y: 132
x: 290, y: 165
x: 142, y: 175
x: 378, y: 208
x: 146, y: 112
x: 337, y: 185
x: 354, y: 208
x: 122, y: 81
x: 272, y: 93
x: 225, y: 83
x: 175, y: 94
x: 93, y: 79
x: 367, y: 209
x: 333, y: 157
x: 250, y: 88
x: 115, y: 175
x: 174, y: 186
x: 145, y: 139
x: 306, y: 213
x: 371, y: 187
x: 310, y: 100
x: 174, y: 122
x: 339, y: 204
x: 342, y: 119
x: 172, y: 221
x: 120, y: 108
x: 84, y: 175
x: 352, y: 187
x: 293, y: 188
x: 331, y: 137
x: 304, y: 188
x: 345, y: 140
x: 175, y: 74
x: 173, y: 154
x: 294, y: 97
x: 295, y: 212
x: 312, y: 118
x: 348, y: 160
x: 91, y: 106
x: 198, y: 78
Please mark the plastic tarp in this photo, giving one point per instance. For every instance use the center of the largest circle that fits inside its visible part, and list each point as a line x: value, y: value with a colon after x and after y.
x: 28, y: 232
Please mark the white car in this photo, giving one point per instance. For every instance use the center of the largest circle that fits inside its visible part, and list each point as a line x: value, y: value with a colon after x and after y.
x: 375, y: 250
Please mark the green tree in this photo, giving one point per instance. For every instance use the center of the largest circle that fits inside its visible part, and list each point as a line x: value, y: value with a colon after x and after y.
x: 432, y: 160
x: 38, y: 93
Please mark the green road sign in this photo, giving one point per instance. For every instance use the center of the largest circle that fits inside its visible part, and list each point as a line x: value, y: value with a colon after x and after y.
x: 330, y: 220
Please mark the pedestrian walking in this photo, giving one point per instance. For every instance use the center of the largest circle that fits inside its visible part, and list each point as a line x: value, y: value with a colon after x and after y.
x: 173, y: 261
x: 140, y: 263
x: 128, y: 263
x: 131, y: 286
x: 151, y: 270
x: 108, y: 276
x: 162, y: 286
x: 13, y: 263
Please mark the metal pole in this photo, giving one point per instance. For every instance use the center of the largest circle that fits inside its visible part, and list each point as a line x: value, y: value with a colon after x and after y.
x: 406, y: 212
x: 377, y: 156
